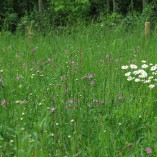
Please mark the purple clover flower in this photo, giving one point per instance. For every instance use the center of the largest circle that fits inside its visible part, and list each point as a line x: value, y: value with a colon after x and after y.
x: 90, y: 76
x: 71, y: 101
x: 53, y: 109
x: 4, y: 102
x: 92, y: 82
x: 149, y: 150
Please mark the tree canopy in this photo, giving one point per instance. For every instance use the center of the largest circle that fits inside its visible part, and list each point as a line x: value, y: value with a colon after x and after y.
x: 63, y: 12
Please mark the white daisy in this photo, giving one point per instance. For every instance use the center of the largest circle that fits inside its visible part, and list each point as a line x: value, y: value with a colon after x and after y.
x: 124, y: 67
x: 130, y: 78
x: 137, y: 80
x: 133, y: 66
x: 147, y: 81
x: 128, y: 74
x: 143, y: 61
x: 151, y: 86
x: 136, y: 72
x: 144, y: 66
x: 153, y: 68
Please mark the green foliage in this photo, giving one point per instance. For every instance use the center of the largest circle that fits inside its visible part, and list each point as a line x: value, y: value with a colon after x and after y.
x: 134, y: 19
x: 10, y: 21
x: 70, y: 12
x: 111, y: 20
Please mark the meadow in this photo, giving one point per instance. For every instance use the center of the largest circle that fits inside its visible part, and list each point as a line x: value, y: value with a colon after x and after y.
x: 64, y: 94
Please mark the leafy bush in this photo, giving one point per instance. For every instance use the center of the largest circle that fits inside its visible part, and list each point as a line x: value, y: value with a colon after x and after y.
x: 10, y: 22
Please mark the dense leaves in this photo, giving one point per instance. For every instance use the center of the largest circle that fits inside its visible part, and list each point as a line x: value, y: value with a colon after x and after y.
x: 14, y: 13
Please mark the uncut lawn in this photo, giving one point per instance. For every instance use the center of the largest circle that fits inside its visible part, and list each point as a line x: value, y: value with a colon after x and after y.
x: 55, y: 109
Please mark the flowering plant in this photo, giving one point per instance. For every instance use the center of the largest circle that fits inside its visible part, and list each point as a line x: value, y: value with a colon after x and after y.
x: 146, y: 73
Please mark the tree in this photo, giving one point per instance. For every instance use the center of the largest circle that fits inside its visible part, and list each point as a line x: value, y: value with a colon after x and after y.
x: 132, y: 5
x: 144, y: 2
x: 108, y: 6
x: 41, y: 6
x: 114, y: 6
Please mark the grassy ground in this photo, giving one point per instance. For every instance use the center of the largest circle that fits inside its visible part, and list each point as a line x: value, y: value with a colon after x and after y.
x: 64, y: 94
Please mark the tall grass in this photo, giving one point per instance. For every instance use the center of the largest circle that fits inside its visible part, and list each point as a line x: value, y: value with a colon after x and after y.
x: 65, y: 94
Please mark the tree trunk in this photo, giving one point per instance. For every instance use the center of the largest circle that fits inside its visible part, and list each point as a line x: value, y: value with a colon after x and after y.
x: 132, y: 5
x: 155, y: 3
x: 114, y: 6
x: 108, y: 6
x: 27, y: 5
x: 144, y: 3
x: 41, y: 6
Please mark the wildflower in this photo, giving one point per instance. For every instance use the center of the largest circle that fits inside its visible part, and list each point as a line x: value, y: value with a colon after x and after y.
x: 90, y: 76
x: 130, y: 78
x: 136, y: 72
x: 141, y: 71
x: 121, y: 96
x: 22, y: 129
x: 144, y: 66
x: 128, y: 74
x: 21, y: 102
x: 133, y: 66
x: 107, y: 56
x: 72, y: 120
x: 63, y: 78
x: 151, y: 86
x: 24, y: 65
x: 124, y: 67
x: 71, y: 101
x: 154, y: 73
x: 149, y: 150
x: 153, y: 68
x: 137, y: 80
x: 72, y: 62
x: 143, y: 75
x: 151, y: 77
x: 18, y: 77
x: 147, y: 81
x: 4, y: 102
x: 20, y: 86
x: 143, y: 61
x: 53, y: 109
x: 92, y: 82
x: 66, y: 107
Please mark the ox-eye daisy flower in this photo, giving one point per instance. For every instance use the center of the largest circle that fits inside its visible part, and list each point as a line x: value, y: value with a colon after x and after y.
x: 151, y: 86
x: 153, y: 68
x: 128, y: 74
x: 143, y: 61
x: 137, y: 80
x: 133, y: 66
x: 124, y: 67
x: 136, y: 72
x: 130, y: 78
x: 144, y: 66
x: 147, y: 81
